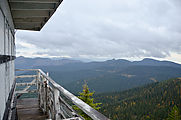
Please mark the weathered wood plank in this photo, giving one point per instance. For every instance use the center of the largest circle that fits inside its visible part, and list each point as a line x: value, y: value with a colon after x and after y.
x: 27, y: 91
x: 74, y: 118
x: 26, y: 76
x: 36, y: 1
x: 26, y: 84
x: 28, y: 109
x: 31, y: 6
x: 27, y: 70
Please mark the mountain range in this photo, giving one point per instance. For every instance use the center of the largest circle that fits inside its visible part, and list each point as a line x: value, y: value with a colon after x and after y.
x: 28, y: 63
x: 106, y: 76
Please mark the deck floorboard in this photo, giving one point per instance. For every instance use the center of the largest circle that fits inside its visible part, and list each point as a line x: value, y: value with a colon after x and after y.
x: 28, y: 109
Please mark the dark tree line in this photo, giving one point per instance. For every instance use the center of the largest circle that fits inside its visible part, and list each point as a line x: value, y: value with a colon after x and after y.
x: 150, y: 102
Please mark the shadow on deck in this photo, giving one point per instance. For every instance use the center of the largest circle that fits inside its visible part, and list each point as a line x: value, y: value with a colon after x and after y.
x: 28, y: 109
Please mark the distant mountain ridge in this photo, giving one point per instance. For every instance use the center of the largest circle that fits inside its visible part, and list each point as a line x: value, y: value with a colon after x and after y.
x: 24, y: 62
x: 145, y: 61
x: 107, y: 76
x: 152, y: 62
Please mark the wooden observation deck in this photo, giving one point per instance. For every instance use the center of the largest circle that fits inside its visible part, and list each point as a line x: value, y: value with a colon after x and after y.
x: 47, y: 99
x: 28, y: 109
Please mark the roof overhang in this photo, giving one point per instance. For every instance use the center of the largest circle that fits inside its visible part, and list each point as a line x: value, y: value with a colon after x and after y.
x: 32, y: 14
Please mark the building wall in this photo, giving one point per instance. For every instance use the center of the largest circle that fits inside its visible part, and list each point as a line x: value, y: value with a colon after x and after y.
x: 7, y: 50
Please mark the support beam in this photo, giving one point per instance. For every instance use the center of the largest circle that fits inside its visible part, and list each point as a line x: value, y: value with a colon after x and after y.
x: 25, y: 84
x: 28, y: 91
x: 28, y: 20
x: 36, y: 1
x: 32, y: 6
x: 29, y: 13
x: 26, y: 76
x: 28, y: 26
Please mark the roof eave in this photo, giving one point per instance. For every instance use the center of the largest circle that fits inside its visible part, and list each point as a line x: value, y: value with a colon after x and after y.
x: 32, y: 14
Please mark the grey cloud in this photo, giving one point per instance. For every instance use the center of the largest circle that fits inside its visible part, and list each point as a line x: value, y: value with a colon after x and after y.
x: 111, y: 28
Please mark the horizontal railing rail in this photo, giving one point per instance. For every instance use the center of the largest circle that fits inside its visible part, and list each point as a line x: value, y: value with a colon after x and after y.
x: 50, y: 100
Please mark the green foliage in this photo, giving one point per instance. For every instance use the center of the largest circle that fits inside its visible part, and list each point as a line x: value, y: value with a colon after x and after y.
x: 150, y: 102
x: 115, y: 79
x: 86, y: 96
x: 114, y: 75
x: 174, y: 114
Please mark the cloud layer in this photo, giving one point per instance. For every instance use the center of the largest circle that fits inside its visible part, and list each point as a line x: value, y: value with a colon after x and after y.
x: 105, y: 29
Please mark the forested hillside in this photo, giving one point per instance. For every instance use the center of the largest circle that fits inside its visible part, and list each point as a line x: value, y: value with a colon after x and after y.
x: 150, y: 102
x: 106, y: 76
x: 119, y: 80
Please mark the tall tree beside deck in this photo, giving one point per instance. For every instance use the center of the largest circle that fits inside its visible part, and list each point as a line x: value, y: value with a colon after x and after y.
x: 86, y: 96
x: 174, y: 114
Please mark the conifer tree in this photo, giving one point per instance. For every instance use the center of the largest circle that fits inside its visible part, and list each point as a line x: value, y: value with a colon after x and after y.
x: 174, y: 114
x: 86, y: 96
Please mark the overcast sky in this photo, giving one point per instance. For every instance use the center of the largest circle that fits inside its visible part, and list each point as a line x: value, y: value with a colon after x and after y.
x: 106, y: 29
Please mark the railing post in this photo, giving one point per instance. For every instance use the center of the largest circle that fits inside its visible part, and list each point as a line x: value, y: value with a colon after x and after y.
x: 39, y: 87
x: 45, y: 95
x: 49, y: 109
x: 41, y: 92
x: 38, y: 81
x: 56, y: 104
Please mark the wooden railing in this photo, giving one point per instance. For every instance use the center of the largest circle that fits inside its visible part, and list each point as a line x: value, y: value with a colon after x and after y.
x: 51, y: 94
